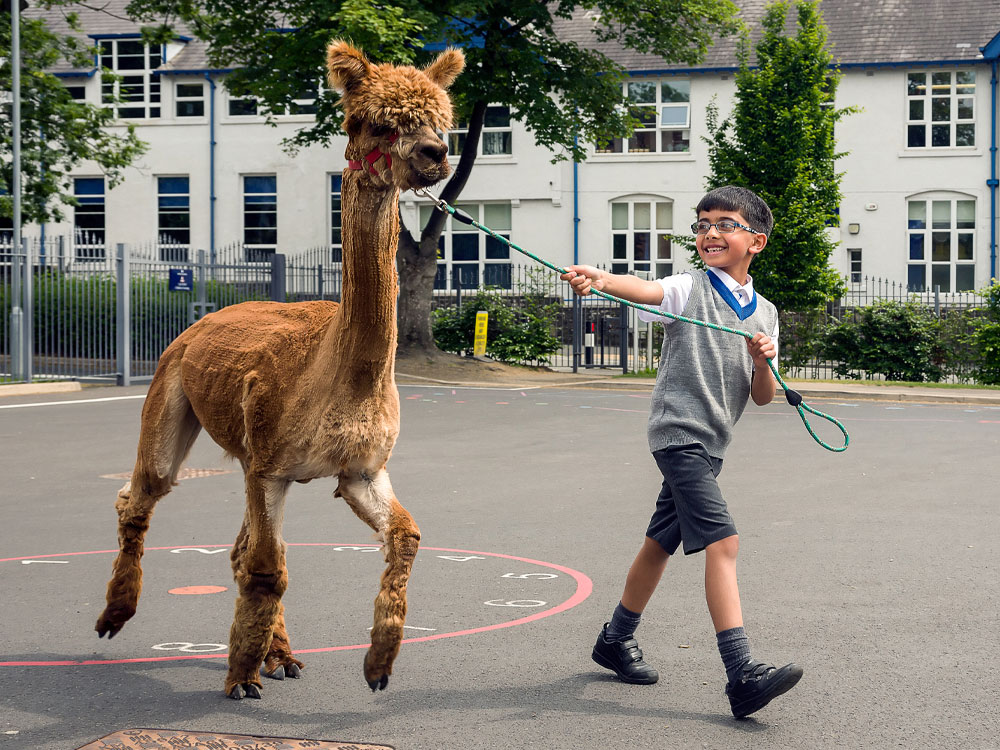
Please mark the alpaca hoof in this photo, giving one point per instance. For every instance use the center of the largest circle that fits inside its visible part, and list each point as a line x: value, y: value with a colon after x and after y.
x: 248, y: 688
x: 379, y: 684
x: 277, y: 674
x: 293, y: 671
x: 105, y: 626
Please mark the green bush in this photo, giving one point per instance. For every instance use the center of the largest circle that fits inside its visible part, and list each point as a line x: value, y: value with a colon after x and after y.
x: 515, y: 335
x: 986, y: 338
x: 889, y: 338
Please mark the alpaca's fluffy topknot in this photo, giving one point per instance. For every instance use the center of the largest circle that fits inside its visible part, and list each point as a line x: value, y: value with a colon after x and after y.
x: 403, y: 97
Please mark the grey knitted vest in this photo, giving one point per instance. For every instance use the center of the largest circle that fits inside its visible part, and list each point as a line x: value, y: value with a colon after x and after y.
x: 703, y: 382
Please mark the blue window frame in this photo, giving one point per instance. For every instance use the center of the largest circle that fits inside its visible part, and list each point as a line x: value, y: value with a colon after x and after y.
x: 260, y: 216
x: 88, y: 218
x: 173, y: 204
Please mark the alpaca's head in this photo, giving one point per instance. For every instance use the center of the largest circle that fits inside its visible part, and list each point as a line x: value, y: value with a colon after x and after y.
x: 395, y: 110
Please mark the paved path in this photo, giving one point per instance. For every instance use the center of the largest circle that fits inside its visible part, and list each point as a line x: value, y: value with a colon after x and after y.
x: 875, y: 569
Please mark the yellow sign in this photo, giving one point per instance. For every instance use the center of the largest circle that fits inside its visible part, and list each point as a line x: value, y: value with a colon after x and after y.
x: 479, y: 343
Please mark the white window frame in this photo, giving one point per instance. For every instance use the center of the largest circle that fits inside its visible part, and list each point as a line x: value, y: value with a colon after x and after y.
x: 90, y: 243
x: 854, y: 265
x: 481, y: 271
x: 170, y: 249
x: 258, y: 251
x: 150, y: 102
x: 490, y: 134
x: 650, y: 135
x: 335, y: 184
x: 945, y: 107
x: 180, y: 99
x: 926, y: 244
x: 630, y: 218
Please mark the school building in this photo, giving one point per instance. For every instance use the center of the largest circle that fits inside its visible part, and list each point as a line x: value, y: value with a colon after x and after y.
x: 920, y: 187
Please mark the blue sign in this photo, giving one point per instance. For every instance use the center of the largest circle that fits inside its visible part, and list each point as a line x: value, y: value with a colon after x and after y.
x: 180, y: 280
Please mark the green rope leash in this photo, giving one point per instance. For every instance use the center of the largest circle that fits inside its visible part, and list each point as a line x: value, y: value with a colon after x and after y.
x: 794, y: 398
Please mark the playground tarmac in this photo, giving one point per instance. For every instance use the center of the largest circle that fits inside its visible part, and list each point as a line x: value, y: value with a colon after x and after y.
x: 875, y: 569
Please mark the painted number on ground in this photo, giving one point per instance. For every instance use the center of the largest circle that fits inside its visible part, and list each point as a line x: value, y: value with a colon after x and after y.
x: 190, y: 648
x: 537, y: 576
x: 202, y: 550
x: 515, y: 603
x: 459, y: 558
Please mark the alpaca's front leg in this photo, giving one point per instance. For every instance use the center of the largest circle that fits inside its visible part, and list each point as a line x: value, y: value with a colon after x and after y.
x: 372, y: 499
x: 261, y: 575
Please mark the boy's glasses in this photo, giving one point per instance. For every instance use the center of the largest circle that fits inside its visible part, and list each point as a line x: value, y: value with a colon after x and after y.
x: 726, y: 226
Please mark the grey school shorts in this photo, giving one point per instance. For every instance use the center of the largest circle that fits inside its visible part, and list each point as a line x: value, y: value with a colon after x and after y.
x: 690, y: 507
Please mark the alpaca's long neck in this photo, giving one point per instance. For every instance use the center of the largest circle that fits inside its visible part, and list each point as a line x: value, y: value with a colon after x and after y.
x: 366, y: 326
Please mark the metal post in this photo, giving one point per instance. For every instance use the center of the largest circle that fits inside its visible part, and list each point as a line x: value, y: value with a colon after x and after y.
x: 937, y: 300
x: 623, y: 337
x: 27, y: 304
x: 577, y: 329
x: 319, y: 281
x: 277, y: 277
x: 124, y: 317
x: 456, y: 281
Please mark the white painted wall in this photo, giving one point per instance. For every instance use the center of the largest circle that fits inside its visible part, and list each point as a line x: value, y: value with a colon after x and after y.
x: 879, y: 172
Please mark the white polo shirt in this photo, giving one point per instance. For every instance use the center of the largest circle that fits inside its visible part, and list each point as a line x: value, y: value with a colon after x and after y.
x: 677, y: 290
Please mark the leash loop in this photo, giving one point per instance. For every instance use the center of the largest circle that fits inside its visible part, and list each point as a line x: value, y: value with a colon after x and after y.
x: 794, y: 398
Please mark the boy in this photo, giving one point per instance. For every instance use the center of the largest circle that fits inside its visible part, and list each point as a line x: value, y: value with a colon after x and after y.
x: 702, y: 385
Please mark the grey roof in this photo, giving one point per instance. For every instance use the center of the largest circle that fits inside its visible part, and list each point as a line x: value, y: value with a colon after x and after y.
x: 861, y: 32
x: 106, y: 18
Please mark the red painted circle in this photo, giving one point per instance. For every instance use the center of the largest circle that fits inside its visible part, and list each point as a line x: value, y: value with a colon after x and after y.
x: 194, y: 590
x: 583, y: 588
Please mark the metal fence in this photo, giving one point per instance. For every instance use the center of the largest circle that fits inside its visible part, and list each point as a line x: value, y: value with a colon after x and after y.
x: 60, y: 314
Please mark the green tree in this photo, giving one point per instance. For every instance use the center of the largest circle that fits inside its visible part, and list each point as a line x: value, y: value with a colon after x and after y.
x: 566, y: 95
x: 779, y: 142
x: 57, y: 132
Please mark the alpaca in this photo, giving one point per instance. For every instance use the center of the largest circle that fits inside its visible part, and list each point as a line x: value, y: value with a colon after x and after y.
x: 301, y: 391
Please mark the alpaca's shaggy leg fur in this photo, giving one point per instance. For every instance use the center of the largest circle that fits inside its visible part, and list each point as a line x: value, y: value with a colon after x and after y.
x: 169, y: 429
x: 371, y: 497
x: 260, y: 573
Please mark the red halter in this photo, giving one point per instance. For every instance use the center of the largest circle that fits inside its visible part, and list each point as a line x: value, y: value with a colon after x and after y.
x: 373, y: 156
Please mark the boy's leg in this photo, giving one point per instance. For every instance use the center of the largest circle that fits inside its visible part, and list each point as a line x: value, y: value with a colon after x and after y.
x: 751, y: 685
x: 616, y: 648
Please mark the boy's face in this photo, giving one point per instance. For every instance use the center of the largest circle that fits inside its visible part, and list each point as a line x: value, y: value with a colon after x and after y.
x: 730, y: 252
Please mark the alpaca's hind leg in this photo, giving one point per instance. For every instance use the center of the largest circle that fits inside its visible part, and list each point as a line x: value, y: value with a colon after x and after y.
x: 169, y: 429
x: 279, y: 662
x: 371, y: 497
x: 260, y: 573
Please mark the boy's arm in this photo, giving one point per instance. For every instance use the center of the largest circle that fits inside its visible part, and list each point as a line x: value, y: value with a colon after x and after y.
x: 763, y: 385
x: 583, y: 279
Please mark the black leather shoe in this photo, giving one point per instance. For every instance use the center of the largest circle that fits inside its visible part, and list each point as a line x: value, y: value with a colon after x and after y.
x: 624, y: 658
x: 758, y: 684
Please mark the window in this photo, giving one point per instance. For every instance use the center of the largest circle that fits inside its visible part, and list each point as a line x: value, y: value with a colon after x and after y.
x: 189, y: 99
x: 6, y: 227
x: 260, y: 216
x: 941, y: 109
x: 468, y: 257
x: 136, y: 95
x: 304, y: 103
x: 854, y: 264
x: 336, y: 241
x: 174, y: 218
x: 88, y: 218
x: 941, y: 236
x: 664, y: 113
x: 246, y: 107
x: 641, y: 229
x: 496, y: 136
x: 79, y: 93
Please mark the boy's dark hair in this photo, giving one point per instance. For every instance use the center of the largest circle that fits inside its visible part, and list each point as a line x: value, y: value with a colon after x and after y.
x: 746, y: 202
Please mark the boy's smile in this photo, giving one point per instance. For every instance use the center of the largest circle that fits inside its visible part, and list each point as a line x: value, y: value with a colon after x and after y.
x: 730, y: 252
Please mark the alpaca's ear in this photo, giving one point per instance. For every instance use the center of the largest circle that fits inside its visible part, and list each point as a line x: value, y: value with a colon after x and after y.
x: 445, y: 69
x: 346, y: 66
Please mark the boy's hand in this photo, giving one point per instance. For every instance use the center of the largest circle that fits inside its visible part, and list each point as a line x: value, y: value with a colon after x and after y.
x: 761, y: 349
x: 585, y: 279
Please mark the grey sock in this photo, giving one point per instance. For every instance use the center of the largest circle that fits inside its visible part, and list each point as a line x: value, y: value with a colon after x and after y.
x: 623, y: 624
x: 734, y: 647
